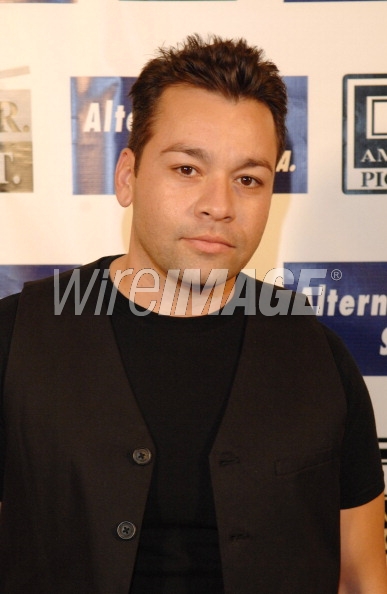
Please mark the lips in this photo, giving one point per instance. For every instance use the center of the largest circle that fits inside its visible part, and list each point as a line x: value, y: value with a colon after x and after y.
x: 211, y: 244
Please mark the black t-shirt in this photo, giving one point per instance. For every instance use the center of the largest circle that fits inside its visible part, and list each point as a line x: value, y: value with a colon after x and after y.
x: 181, y: 371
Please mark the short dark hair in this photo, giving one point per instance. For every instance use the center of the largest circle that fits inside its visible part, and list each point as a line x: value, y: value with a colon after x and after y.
x: 226, y: 66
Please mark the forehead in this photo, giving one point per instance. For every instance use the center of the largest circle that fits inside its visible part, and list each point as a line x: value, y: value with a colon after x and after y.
x: 191, y: 114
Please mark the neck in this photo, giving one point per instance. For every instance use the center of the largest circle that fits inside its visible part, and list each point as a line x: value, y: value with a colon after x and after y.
x: 175, y: 294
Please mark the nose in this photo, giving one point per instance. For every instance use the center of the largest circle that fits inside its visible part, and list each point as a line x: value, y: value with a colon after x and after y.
x: 216, y: 200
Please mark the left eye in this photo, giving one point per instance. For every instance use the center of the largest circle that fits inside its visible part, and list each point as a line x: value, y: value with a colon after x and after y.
x: 186, y: 170
x: 248, y: 181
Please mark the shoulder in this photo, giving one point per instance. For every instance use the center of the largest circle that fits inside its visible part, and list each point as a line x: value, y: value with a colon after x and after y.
x: 84, y: 272
x: 293, y: 315
x: 350, y: 374
x: 33, y: 290
x: 70, y: 288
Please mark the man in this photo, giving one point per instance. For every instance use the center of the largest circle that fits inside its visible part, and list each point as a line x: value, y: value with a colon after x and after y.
x: 162, y: 449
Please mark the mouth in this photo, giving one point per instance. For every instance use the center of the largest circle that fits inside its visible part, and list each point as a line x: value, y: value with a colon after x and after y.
x: 210, y: 244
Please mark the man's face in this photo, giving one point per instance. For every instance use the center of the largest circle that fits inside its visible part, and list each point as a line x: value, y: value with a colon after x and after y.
x: 202, y: 192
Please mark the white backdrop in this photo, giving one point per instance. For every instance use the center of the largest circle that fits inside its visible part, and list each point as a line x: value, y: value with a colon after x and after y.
x: 45, y: 44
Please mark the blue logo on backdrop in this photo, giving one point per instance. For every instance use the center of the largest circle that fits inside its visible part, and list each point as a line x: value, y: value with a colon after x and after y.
x: 292, y: 170
x: 100, y: 115
x: 365, y: 134
x: 350, y: 298
x: 13, y: 277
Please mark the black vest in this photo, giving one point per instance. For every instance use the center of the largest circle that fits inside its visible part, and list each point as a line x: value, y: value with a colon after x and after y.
x: 71, y: 477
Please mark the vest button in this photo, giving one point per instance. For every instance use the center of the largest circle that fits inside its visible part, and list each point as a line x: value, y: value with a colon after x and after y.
x: 126, y: 530
x: 142, y: 456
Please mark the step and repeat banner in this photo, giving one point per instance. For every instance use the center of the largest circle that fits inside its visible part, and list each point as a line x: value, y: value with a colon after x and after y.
x: 66, y: 67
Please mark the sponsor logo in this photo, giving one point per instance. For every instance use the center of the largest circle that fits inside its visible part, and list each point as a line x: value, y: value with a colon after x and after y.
x: 15, y: 141
x: 365, y: 134
x: 350, y: 298
x: 100, y: 116
x: 292, y: 169
x: 13, y: 277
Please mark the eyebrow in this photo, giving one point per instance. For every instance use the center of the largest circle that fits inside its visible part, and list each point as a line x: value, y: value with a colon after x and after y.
x: 203, y: 155
x: 257, y: 163
x: 191, y: 151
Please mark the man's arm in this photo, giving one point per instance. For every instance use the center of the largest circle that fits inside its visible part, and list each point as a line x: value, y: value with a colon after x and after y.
x: 363, y: 557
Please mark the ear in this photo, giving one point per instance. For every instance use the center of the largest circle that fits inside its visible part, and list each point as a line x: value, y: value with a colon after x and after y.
x: 124, y: 177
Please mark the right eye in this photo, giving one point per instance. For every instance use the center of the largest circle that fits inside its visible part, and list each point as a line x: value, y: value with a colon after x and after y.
x: 186, y: 170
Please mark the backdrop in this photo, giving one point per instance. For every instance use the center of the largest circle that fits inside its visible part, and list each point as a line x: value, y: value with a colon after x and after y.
x: 65, y: 70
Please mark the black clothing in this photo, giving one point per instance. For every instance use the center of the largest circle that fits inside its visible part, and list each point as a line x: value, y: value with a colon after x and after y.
x: 293, y: 418
x: 180, y: 371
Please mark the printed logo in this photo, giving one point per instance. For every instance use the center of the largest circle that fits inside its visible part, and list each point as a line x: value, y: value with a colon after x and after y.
x: 350, y: 298
x: 365, y: 134
x: 15, y: 141
x: 13, y: 277
x: 100, y: 115
x: 292, y: 170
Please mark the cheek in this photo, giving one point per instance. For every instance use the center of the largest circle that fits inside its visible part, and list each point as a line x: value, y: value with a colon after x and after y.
x: 159, y: 200
x: 256, y: 218
x: 254, y: 227
x: 155, y: 220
